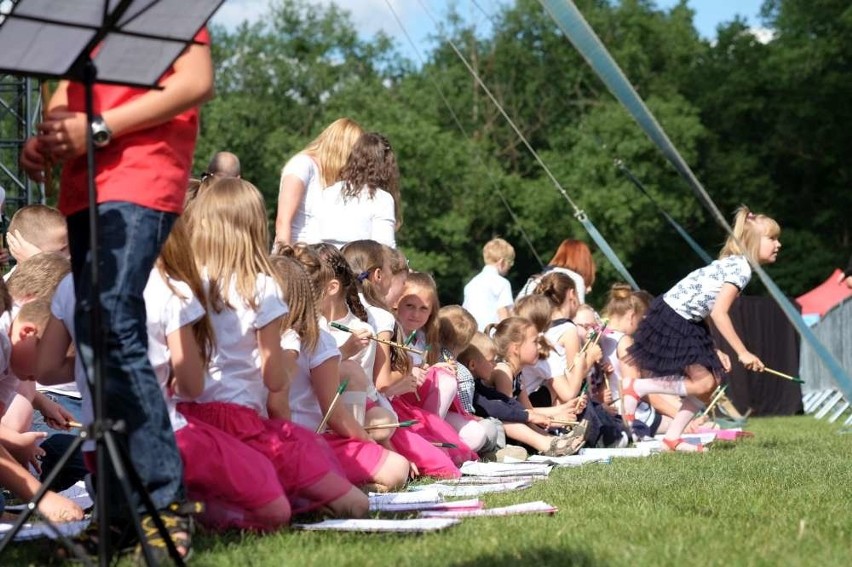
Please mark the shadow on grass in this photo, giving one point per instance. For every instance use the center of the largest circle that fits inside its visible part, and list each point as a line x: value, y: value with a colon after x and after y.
x: 563, y: 557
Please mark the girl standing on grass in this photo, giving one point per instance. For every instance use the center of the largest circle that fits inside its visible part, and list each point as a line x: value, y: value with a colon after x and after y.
x: 674, y: 340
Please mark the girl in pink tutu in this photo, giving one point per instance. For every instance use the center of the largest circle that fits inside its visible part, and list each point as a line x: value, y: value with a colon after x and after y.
x: 433, y: 382
x: 673, y: 341
x: 320, y: 372
x: 238, y: 485
x: 228, y: 237
x: 339, y: 305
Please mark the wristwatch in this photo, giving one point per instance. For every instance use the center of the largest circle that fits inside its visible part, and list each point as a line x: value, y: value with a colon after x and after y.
x: 101, y: 134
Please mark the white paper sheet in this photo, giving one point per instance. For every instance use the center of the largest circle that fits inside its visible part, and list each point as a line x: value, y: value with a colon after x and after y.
x: 570, y: 460
x: 538, y: 507
x: 469, y: 491
x: 417, y: 525
x: 472, y: 468
x: 626, y: 452
x: 41, y: 529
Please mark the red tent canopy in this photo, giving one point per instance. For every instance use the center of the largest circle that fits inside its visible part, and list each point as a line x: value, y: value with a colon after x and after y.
x: 824, y: 296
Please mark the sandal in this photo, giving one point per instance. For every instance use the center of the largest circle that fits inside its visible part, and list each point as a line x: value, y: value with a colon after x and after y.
x: 180, y: 525
x: 569, y: 443
x: 672, y: 445
x: 122, y: 539
x: 628, y: 391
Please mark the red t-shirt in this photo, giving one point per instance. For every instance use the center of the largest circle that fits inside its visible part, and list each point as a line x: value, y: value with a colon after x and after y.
x: 147, y: 167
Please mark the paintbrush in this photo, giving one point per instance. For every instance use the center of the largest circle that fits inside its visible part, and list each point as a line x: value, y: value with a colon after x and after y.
x: 444, y: 445
x: 332, y: 405
x: 720, y: 391
x: 785, y: 376
x: 594, y: 338
x: 346, y: 329
x: 408, y: 423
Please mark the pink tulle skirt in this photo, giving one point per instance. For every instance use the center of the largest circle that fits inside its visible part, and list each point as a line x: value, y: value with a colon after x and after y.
x: 305, y: 467
x: 360, y: 460
x: 432, y: 428
x: 218, y: 467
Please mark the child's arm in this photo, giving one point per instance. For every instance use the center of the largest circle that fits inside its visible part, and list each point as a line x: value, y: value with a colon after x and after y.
x: 291, y: 193
x: 502, y: 380
x: 24, y: 486
x: 382, y: 375
x: 325, y: 380
x: 273, y: 365
x: 24, y: 446
x: 278, y: 403
x: 722, y: 320
x: 54, y: 365
x: 55, y: 416
x: 188, y: 366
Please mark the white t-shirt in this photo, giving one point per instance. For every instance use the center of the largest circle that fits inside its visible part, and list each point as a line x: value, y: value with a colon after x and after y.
x: 485, y: 293
x: 534, y: 376
x: 340, y: 221
x: 579, y: 284
x: 695, y: 295
x: 380, y: 319
x: 62, y: 307
x: 367, y: 357
x: 303, y: 227
x: 167, y: 312
x: 234, y: 373
x: 304, y: 406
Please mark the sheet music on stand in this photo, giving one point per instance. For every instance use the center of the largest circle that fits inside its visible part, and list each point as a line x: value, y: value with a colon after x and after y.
x: 50, y: 38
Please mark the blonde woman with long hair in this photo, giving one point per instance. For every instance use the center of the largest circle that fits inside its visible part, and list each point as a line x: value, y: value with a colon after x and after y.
x: 306, y: 174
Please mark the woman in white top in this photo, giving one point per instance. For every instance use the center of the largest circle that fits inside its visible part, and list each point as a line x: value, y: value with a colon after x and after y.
x: 364, y: 204
x: 574, y: 259
x: 305, y: 175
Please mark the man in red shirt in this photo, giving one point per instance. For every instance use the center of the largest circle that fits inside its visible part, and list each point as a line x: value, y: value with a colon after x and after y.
x: 144, y: 146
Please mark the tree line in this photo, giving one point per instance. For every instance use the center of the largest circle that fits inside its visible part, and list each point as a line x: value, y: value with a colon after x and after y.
x: 761, y: 123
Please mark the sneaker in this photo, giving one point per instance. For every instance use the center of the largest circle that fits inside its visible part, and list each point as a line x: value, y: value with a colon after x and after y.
x: 180, y: 525
x: 513, y: 452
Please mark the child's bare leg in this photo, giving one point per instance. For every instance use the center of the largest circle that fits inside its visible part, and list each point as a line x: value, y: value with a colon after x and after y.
x: 525, y: 434
x: 471, y: 432
x: 442, y: 395
x: 353, y: 504
x: 380, y: 416
x: 354, y: 398
x: 393, y: 473
x: 699, y: 382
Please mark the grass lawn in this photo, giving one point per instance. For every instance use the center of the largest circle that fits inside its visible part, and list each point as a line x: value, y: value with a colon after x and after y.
x: 781, y: 498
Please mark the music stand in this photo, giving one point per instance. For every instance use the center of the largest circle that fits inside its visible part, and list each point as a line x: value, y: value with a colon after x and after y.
x: 137, y: 41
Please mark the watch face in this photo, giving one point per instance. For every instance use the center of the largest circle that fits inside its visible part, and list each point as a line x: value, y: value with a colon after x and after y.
x: 100, y: 136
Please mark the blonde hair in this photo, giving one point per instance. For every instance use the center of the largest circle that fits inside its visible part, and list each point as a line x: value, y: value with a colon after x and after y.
x: 36, y: 312
x: 621, y: 300
x: 508, y: 332
x: 421, y: 281
x: 348, y: 280
x: 177, y: 261
x: 480, y: 346
x: 398, y: 261
x: 331, y: 148
x: 297, y: 291
x: 497, y: 249
x: 538, y: 310
x: 456, y: 326
x: 38, y: 276
x: 229, y: 236
x: 364, y: 257
x: 319, y: 272
x: 748, y: 228
x: 36, y: 222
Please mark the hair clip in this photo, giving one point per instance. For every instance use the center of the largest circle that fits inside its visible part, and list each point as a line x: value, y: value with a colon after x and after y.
x: 363, y: 276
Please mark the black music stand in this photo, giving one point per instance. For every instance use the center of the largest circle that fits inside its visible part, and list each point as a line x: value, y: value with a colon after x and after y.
x: 137, y: 41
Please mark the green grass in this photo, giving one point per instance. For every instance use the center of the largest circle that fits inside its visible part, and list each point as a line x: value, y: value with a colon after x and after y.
x: 781, y: 498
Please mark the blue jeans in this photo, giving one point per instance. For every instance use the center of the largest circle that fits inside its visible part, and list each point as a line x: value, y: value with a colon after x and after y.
x: 129, y: 241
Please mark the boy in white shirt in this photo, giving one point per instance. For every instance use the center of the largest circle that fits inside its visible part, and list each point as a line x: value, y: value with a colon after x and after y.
x: 488, y: 295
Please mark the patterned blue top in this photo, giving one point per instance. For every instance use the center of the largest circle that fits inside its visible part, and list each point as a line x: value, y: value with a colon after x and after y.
x: 695, y: 295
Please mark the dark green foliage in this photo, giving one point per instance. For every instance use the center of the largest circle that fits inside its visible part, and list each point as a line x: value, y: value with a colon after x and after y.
x: 761, y: 124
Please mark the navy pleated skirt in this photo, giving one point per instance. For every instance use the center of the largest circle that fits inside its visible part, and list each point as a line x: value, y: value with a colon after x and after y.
x: 665, y: 343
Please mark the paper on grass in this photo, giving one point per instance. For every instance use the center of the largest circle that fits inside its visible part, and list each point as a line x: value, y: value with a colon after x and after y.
x: 626, y: 452
x: 466, y: 480
x: 469, y: 491
x: 390, y: 500
x: 472, y: 468
x: 538, y: 507
x: 570, y: 460
x: 417, y: 525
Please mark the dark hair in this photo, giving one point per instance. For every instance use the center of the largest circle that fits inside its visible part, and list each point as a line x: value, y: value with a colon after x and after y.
x: 341, y: 271
x: 372, y: 164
